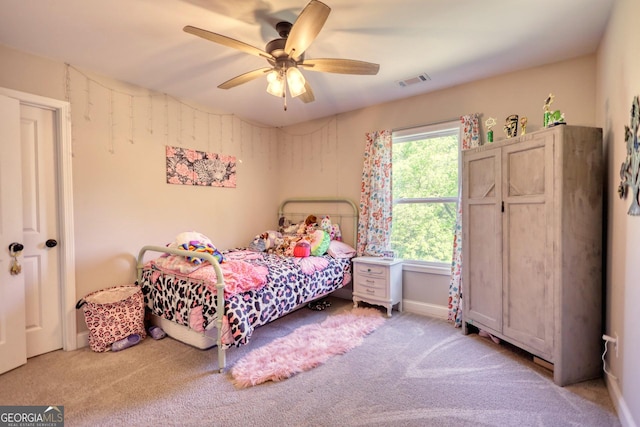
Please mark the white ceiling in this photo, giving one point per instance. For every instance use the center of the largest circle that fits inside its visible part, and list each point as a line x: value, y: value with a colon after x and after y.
x: 453, y: 41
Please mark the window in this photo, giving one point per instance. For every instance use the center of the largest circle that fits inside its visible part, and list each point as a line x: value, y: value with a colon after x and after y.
x: 425, y: 184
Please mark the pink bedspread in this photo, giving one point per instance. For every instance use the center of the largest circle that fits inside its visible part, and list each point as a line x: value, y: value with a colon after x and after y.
x: 239, y: 276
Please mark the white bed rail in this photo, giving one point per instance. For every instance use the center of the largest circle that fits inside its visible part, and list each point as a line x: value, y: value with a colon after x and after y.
x: 222, y: 361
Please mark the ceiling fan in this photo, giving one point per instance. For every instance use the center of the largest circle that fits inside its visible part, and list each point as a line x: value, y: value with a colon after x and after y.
x: 285, y: 55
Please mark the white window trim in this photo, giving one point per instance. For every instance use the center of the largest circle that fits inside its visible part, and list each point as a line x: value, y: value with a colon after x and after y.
x: 436, y: 268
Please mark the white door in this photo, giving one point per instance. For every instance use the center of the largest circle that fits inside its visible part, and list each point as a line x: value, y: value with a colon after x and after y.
x: 41, y: 263
x: 29, y: 212
x: 13, y: 343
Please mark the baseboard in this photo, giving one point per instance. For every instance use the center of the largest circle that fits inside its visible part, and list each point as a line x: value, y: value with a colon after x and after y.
x: 618, y: 401
x: 82, y: 339
x: 425, y: 309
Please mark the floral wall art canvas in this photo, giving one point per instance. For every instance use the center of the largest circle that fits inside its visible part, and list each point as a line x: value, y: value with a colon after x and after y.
x: 192, y: 167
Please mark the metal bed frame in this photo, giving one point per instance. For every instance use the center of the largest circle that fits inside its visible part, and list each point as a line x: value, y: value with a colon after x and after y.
x: 353, y: 215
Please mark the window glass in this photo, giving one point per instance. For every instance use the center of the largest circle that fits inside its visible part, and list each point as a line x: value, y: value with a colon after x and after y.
x: 425, y: 192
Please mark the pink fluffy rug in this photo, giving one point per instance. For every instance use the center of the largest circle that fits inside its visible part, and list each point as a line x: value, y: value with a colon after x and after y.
x: 306, y: 347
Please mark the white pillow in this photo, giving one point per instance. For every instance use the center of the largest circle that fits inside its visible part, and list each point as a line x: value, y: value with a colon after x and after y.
x: 338, y: 249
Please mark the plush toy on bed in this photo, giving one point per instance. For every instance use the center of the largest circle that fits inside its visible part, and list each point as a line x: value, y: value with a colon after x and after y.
x: 286, y: 227
x: 311, y: 224
x: 197, y: 242
x: 269, y: 241
x: 311, y: 220
x: 325, y: 224
x: 302, y: 249
x: 320, y: 241
x: 332, y: 229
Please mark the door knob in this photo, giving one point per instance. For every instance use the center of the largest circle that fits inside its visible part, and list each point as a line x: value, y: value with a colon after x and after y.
x: 51, y: 243
x: 15, y: 247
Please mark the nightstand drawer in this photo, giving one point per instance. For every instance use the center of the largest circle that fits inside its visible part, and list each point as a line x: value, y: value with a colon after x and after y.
x: 371, y: 270
x: 372, y: 286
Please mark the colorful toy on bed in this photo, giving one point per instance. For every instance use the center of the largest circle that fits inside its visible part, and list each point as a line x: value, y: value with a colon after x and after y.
x: 196, y: 242
x: 332, y: 229
x: 197, y: 246
x: 286, y: 227
x: 311, y: 220
x: 320, y: 241
x: 302, y: 249
x: 269, y: 241
x: 311, y: 224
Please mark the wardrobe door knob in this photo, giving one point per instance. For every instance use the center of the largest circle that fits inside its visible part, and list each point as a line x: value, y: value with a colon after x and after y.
x: 51, y: 243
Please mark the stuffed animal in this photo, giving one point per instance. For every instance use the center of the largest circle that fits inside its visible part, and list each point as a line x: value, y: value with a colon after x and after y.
x: 311, y: 220
x: 269, y: 241
x: 302, y: 249
x: 332, y: 229
x: 335, y: 232
x: 285, y: 227
x: 284, y: 222
x: 325, y: 224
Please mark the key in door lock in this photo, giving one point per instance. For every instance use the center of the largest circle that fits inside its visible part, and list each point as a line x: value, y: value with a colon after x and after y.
x: 14, y: 250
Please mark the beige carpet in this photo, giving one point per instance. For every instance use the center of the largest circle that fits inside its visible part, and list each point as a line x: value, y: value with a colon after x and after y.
x: 411, y: 371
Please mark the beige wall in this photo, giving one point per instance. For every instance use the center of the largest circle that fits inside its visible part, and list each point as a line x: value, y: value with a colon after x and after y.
x: 572, y: 82
x: 523, y: 93
x: 618, y: 82
x: 121, y: 199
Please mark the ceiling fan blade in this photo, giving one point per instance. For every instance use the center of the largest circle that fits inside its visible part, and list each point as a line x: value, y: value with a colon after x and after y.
x: 228, y: 41
x: 308, y: 95
x: 340, y: 66
x: 306, y: 28
x: 244, y: 78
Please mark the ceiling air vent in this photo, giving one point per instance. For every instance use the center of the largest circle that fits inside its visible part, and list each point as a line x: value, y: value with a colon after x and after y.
x: 420, y: 78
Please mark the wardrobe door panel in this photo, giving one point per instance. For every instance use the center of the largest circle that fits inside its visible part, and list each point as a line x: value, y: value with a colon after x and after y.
x: 528, y: 244
x: 482, y: 252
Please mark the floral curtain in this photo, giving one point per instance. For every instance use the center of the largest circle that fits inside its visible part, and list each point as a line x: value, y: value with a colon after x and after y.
x: 374, y: 226
x: 470, y: 139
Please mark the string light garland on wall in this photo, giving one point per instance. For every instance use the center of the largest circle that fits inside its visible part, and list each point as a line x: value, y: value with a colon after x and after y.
x: 87, y: 112
x: 249, y: 133
x: 150, y: 116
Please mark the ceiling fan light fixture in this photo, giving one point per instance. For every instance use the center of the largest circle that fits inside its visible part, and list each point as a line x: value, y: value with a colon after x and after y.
x: 295, y: 81
x: 276, y: 83
x: 272, y: 75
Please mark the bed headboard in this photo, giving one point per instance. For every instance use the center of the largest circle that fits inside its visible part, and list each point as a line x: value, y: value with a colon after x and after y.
x: 341, y: 211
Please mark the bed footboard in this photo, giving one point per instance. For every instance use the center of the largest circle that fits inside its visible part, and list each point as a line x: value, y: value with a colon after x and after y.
x: 222, y: 361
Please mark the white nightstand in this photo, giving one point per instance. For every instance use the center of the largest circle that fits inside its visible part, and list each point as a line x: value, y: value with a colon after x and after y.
x: 377, y: 281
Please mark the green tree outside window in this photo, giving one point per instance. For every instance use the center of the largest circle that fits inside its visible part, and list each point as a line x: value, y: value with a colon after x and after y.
x: 425, y: 194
